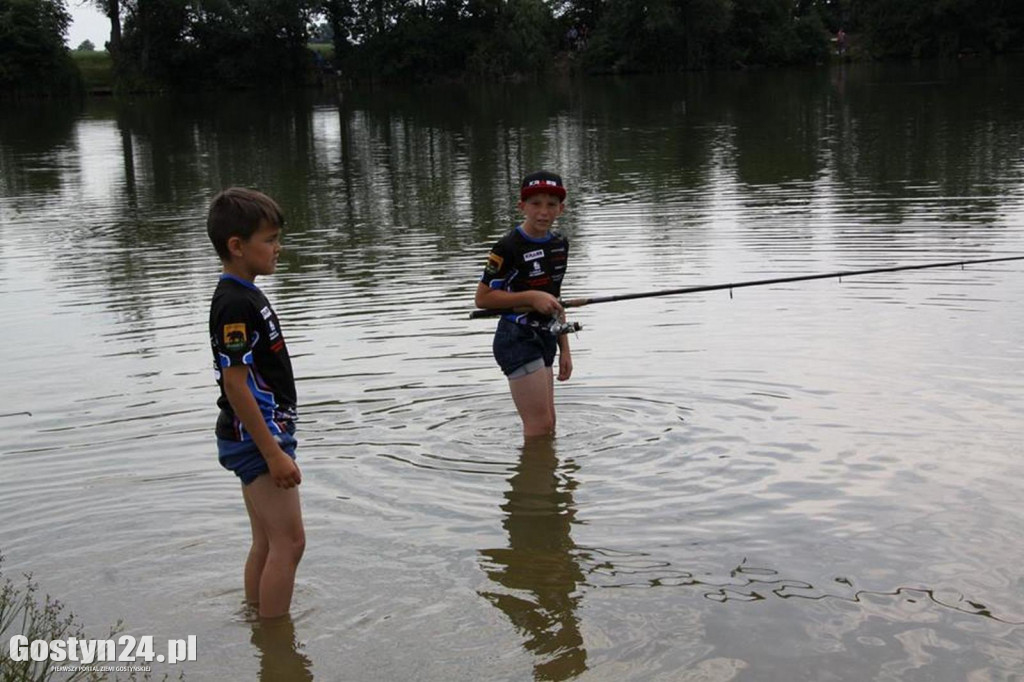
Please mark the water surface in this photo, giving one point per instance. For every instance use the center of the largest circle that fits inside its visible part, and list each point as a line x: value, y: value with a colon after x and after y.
x: 814, y: 481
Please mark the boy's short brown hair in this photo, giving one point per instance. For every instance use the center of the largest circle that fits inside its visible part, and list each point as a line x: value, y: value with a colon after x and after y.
x: 238, y: 212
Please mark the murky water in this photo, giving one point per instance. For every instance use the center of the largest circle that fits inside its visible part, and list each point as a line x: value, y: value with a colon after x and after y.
x: 814, y: 481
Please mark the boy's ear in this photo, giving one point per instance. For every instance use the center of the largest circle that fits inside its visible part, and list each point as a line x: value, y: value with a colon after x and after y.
x: 235, y: 245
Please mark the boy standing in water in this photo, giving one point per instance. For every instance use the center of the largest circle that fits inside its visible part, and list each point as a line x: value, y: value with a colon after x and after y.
x: 256, y: 426
x: 524, y: 273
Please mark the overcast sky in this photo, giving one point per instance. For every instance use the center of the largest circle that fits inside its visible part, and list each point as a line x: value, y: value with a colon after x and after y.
x: 87, y: 24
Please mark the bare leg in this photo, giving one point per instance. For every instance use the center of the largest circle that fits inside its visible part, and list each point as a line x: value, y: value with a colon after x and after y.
x: 551, y: 396
x: 279, y: 515
x: 534, y: 396
x: 257, y: 555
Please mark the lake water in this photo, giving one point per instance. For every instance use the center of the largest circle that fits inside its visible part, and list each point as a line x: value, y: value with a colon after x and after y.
x: 813, y: 481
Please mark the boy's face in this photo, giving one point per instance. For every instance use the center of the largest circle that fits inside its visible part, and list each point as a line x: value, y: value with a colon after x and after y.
x: 541, y: 210
x: 258, y: 254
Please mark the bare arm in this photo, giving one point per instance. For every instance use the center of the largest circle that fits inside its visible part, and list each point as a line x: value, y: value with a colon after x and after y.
x: 564, y: 358
x: 540, y: 301
x: 283, y: 468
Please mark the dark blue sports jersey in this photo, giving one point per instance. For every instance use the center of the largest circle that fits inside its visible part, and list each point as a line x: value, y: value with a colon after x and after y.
x: 518, y: 262
x: 244, y: 330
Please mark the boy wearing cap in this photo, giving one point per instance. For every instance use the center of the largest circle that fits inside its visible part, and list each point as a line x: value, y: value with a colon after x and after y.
x: 524, y: 273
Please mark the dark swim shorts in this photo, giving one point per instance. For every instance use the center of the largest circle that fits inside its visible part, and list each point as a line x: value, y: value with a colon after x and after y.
x: 244, y: 458
x: 516, y: 345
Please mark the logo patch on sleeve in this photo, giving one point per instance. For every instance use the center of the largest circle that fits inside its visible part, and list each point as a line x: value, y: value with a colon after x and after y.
x: 494, y: 262
x: 234, y: 337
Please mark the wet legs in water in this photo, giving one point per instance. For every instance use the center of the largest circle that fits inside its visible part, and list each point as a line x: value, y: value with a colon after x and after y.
x: 278, y: 541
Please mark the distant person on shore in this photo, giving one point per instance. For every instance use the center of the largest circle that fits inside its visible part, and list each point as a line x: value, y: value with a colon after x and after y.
x: 841, y: 42
x: 524, y: 274
x: 256, y: 426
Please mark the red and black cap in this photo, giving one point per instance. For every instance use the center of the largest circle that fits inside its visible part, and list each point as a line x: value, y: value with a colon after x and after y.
x: 542, y: 182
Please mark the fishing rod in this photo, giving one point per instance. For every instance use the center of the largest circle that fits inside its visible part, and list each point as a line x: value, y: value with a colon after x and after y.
x: 579, y: 302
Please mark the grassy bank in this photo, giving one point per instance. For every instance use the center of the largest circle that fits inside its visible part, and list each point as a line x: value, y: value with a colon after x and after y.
x: 97, y: 67
x: 97, y: 70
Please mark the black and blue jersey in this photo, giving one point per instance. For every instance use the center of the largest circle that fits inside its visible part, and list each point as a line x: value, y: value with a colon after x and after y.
x: 519, y: 262
x: 244, y: 330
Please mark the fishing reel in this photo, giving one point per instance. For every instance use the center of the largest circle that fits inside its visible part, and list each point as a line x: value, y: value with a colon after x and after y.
x: 558, y: 327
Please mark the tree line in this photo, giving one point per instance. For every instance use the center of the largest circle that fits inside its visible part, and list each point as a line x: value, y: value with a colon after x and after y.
x: 197, y: 44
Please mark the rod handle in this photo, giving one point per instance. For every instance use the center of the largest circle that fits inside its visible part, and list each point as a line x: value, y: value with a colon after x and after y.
x: 487, y: 312
x: 480, y: 313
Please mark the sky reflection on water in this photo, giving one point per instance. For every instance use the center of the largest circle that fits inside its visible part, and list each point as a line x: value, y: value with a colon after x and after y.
x: 798, y: 481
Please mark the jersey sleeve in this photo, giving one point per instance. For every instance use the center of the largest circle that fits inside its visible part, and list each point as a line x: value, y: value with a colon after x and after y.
x: 498, y: 267
x: 235, y: 334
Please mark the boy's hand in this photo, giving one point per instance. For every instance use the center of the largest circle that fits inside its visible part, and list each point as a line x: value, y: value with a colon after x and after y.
x: 564, y: 366
x: 546, y: 304
x: 284, y: 470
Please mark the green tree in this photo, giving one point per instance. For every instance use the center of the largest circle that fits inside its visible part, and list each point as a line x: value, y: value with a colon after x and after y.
x: 112, y: 10
x: 33, y: 56
x: 340, y: 18
x: 934, y: 28
x: 524, y: 39
x: 185, y: 44
x: 638, y: 35
x: 153, y: 42
x: 776, y: 32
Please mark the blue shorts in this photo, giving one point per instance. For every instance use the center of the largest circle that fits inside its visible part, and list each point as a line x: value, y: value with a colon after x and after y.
x: 244, y: 458
x: 517, y: 344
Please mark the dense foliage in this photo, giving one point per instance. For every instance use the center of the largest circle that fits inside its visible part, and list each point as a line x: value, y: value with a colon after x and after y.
x: 941, y: 27
x: 191, y: 44
x: 180, y: 42
x: 33, y: 58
